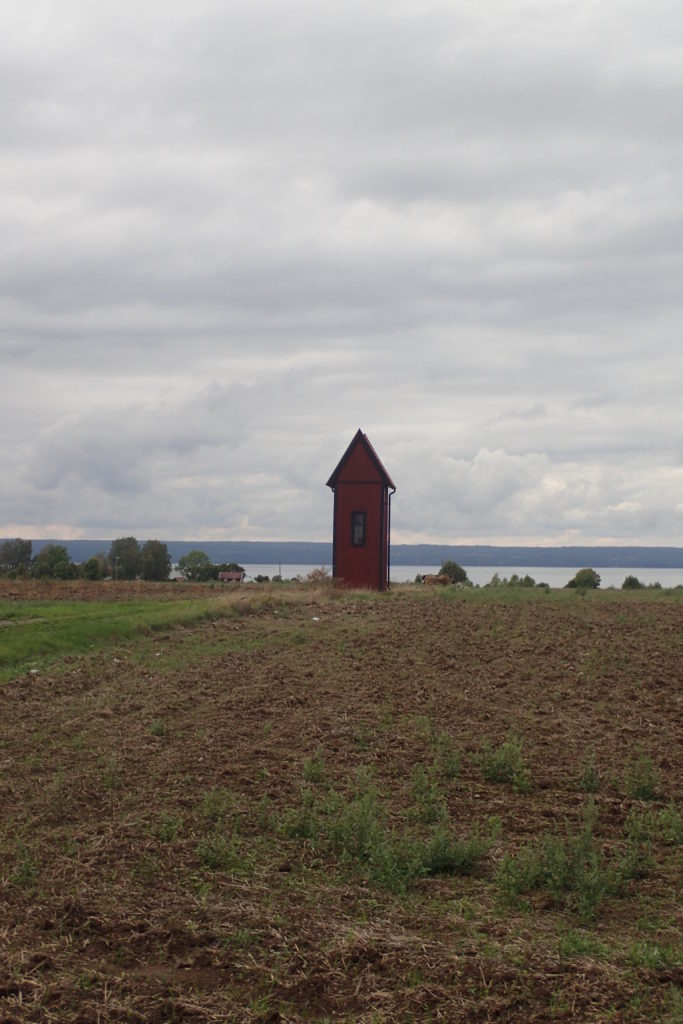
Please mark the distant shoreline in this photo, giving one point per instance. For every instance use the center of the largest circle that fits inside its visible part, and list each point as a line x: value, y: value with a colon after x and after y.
x: 319, y: 553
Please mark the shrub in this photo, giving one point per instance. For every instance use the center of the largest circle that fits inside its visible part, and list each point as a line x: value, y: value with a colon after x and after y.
x: 585, y: 579
x: 455, y: 572
x: 514, y: 581
x: 632, y: 583
x: 320, y: 575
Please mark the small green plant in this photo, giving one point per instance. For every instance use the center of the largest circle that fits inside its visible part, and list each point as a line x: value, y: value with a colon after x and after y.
x: 428, y: 796
x: 147, y: 869
x: 158, y: 728
x: 641, y: 780
x: 448, y: 854
x: 589, y: 779
x: 218, y: 853
x: 356, y: 829
x: 670, y: 825
x: 314, y: 768
x: 25, y: 874
x: 168, y: 827
x: 216, y: 804
x: 109, y: 769
x: 302, y: 822
x: 394, y: 862
x: 506, y: 764
x: 575, y: 944
x: 637, y: 860
x: 447, y: 756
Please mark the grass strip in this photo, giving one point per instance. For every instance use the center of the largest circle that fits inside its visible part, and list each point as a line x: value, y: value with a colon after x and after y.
x: 34, y: 634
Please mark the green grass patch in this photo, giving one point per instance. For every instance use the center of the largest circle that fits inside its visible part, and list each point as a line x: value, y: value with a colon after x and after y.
x: 36, y: 633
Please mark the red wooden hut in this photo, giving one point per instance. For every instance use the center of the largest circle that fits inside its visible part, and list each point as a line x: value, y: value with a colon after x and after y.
x: 362, y: 517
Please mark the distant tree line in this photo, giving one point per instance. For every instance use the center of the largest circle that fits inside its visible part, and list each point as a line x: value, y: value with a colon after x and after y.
x: 126, y: 559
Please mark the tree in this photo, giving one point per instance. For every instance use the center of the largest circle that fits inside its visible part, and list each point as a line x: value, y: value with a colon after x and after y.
x: 90, y: 570
x: 124, y: 558
x: 53, y: 561
x: 455, y: 572
x: 585, y: 579
x: 155, y: 561
x: 196, y: 566
x: 15, y: 555
x: 632, y: 583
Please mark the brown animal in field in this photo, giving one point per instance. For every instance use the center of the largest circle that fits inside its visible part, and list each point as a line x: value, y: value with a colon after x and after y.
x: 436, y: 581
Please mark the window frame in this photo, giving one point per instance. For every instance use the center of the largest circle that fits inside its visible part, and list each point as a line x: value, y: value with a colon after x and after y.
x: 359, y: 519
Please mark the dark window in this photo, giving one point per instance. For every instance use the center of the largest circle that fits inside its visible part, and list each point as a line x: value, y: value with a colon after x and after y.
x: 358, y: 529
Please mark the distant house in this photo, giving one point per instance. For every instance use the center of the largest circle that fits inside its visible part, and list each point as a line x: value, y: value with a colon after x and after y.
x: 230, y: 577
x: 362, y: 498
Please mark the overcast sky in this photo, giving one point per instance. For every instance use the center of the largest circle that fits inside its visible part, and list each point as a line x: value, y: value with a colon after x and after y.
x: 231, y: 233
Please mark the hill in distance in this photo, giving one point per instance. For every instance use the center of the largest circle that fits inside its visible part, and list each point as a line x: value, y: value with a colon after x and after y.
x: 312, y: 553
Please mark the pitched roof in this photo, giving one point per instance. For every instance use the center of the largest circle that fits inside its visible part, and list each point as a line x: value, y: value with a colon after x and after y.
x: 362, y: 439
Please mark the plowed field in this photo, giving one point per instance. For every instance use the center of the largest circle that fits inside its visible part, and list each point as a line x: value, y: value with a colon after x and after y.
x: 323, y: 806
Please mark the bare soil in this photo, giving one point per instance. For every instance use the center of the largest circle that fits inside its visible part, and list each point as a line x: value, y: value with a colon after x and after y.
x: 122, y: 771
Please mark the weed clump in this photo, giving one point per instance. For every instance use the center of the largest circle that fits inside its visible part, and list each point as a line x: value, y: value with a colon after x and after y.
x: 355, y: 830
x: 641, y: 780
x: 505, y: 763
x: 448, y: 854
x: 314, y: 768
x: 589, y: 778
x: 217, y: 852
x: 447, y: 756
x: 430, y: 803
x: 574, y: 868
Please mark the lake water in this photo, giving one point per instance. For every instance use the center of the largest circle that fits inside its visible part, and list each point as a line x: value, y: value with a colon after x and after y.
x: 481, y: 574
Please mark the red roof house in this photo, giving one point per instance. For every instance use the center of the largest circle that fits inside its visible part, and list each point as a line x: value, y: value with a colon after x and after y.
x: 362, y: 517
x: 230, y: 577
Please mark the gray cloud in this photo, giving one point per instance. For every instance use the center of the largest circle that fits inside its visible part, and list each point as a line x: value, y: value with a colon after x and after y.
x: 234, y: 233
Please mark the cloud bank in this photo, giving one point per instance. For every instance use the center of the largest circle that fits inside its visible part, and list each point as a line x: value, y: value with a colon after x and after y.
x: 233, y: 233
